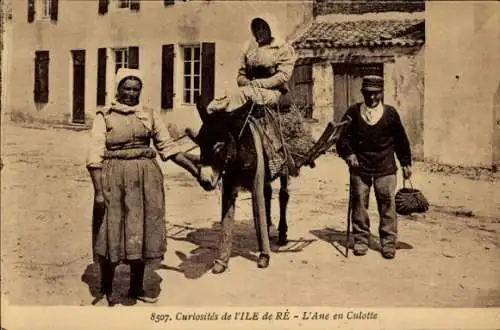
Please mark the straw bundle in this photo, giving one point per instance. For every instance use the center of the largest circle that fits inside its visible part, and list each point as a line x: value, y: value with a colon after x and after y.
x: 298, y: 139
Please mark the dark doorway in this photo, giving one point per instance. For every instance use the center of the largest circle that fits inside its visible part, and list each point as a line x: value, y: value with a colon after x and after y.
x: 347, y: 79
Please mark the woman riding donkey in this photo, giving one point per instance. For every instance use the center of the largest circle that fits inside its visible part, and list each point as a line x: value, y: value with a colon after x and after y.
x: 267, y: 63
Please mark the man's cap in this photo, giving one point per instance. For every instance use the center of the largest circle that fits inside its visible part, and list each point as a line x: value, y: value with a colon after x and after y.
x: 372, y: 83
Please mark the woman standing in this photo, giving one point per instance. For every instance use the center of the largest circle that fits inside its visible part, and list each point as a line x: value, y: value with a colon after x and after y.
x: 128, y: 185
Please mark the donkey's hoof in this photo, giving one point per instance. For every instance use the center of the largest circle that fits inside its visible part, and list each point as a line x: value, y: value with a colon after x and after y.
x: 282, y: 240
x: 219, y: 267
x: 263, y: 261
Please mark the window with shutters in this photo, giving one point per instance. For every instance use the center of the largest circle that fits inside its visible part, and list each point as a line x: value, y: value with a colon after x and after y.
x: 191, y: 73
x: 110, y: 60
x: 121, y: 58
x: 126, y: 5
x: 42, y: 10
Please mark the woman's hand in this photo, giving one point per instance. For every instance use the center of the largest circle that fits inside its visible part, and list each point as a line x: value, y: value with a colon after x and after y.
x: 244, y: 82
x: 99, y: 200
x: 184, y: 161
x: 96, y: 175
x: 174, y: 131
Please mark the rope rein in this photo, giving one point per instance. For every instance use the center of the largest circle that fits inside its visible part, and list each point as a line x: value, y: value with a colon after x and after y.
x: 245, y: 122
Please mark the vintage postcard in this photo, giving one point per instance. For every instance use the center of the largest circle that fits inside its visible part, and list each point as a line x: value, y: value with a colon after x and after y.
x: 266, y: 164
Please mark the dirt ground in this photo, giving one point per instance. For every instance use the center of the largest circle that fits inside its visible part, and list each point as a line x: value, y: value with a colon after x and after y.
x: 448, y: 257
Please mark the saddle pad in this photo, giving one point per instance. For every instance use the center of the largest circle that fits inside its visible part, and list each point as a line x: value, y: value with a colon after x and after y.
x: 271, y: 143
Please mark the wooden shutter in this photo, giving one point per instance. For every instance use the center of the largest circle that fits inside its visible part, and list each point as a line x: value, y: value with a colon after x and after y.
x: 208, y: 70
x: 135, y: 5
x: 36, y: 90
x: 41, y: 92
x: 103, y: 6
x: 54, y: 10
x: 133, y: 57
x: 301, y: 88
x: 31, y: 11
x: 168, y: 2
x: 78, y: 86
x: 167, y: 77
x: 101, y: 76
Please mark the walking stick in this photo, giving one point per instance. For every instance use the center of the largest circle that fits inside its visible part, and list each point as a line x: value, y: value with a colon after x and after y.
x: 349, y: 211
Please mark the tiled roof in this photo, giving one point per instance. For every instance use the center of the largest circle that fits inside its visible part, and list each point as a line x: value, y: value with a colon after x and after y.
x: 353, y: 7
x: 365, y: 33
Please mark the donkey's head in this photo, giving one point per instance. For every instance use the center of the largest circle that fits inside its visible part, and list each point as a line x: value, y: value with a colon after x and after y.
x: 217, y: 145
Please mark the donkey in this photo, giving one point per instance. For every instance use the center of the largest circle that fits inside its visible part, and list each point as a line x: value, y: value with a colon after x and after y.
x: 232, y: 152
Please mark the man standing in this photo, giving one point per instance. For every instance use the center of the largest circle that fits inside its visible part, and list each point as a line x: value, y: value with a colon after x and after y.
x: 368, y: 146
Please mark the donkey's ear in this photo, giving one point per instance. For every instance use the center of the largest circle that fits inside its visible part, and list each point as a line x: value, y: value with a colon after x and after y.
x: 192, y: 135
x: 201, y: 105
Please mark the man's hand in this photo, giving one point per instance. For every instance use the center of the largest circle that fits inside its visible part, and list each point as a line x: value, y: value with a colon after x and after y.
x: 406, y: 172
x: 352, y: 160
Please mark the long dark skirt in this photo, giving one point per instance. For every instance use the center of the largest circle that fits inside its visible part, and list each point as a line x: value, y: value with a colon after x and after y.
x: 133, y: 225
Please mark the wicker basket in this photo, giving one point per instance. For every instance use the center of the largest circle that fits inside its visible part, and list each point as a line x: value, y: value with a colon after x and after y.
x: 410, y: 200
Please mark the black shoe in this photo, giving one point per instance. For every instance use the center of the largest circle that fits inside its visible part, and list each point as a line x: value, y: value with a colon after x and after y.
x: 388, y: 252
x: 105, y: 292
x: 360, y: 249
x: 110, y: 300
x: 100, y: 297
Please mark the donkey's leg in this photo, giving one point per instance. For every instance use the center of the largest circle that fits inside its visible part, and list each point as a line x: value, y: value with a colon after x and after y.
x: 229, y: 195
x: 258, y: 202
x: 268, y: 195
x: 260, y: 222
x: 284, y: 197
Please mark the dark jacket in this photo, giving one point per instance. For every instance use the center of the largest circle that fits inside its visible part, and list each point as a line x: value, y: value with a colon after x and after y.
x: 375, y: 146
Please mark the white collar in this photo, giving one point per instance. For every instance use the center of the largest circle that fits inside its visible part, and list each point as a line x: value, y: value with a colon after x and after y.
x: 365, y: 108
x: 372, y: 115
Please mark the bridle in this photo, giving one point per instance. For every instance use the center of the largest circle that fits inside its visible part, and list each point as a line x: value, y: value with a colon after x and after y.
x: 229, y: 155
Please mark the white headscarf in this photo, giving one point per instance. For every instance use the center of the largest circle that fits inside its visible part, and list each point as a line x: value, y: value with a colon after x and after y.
x: 121, y: 75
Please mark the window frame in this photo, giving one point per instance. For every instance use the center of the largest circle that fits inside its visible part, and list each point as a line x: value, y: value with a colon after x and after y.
x: 125, y: 58
x: 47, y: 9
x: 118, y: 2
x: 45, y: 12
x: 192, y: 75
